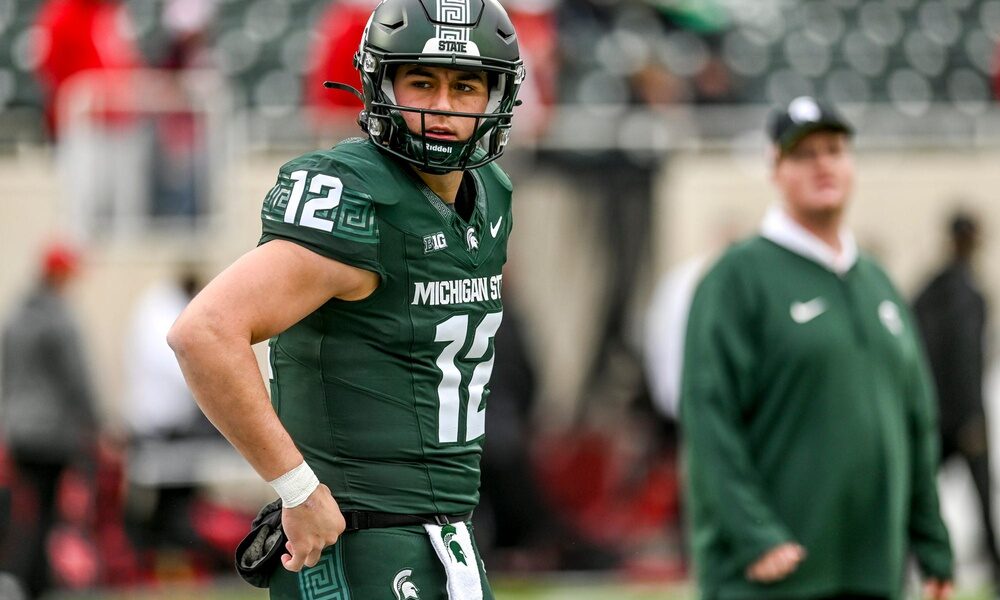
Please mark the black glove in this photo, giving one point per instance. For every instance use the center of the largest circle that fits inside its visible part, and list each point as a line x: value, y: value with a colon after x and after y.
x: 259, y: 554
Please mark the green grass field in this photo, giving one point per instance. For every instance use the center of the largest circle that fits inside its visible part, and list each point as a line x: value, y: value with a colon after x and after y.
x: 554, y: 587
x: 504, y: 589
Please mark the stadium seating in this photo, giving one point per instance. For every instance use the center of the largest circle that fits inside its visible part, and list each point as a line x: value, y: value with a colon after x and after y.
x: 907, y: 53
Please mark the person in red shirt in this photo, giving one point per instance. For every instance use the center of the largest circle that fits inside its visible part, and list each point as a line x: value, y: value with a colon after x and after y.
x: 331, y: 58
x: 87, y: 69
x: 78, y: 36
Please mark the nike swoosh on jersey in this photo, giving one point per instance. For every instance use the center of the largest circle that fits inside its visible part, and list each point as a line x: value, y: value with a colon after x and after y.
x: 495, y: 227
x: 803, y: 312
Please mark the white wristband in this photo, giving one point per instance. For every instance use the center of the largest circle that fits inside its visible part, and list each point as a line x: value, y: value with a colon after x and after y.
x: 295, y: 486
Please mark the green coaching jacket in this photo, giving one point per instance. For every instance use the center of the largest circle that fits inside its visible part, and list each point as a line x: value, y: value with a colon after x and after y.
x: 808, y: 416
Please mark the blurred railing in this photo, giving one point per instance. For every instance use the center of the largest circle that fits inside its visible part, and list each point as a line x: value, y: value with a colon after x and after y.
x: 114, y: 164
x: 142, y: 149
x: 596, y: 128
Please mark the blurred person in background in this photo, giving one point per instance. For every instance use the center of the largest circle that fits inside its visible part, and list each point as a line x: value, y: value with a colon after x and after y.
x: 512, y: 518
x: 161, y: 412
x: 808, y: 413
x: 189, y: 26
x: 76, y: 36
x: 663, y: 354
x: 617, y: 176
x: 666, y: 318
x: 180, y: 177
x: 535, y: 22
x: 86, y: 58
x: 996, y: 73
x: 49, y: 421
x: 951, y: 313
x: 10, y: 586
x: 377, y: 281
x: 663, y: 347
x: 331, y: 58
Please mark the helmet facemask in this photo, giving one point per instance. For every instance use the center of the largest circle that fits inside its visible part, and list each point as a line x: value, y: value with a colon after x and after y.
x: 383, y: 118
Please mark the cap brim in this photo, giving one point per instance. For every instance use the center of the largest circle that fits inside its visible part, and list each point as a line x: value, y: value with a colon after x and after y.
x: 794, y: 135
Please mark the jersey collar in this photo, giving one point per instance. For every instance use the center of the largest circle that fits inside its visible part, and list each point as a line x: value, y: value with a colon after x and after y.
x: 475, y: 228
x: 784, y: 231
x: 447, y: 212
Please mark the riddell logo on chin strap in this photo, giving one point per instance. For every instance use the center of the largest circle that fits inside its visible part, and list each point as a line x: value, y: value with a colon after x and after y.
x: 437, y: 148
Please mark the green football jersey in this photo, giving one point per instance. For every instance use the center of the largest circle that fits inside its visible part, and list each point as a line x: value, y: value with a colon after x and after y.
x: 386, y: 396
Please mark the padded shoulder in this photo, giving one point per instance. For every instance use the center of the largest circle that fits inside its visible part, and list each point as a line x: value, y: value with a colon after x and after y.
x: 364, y: 167
x: 321, y: 201
x: 493, y: 171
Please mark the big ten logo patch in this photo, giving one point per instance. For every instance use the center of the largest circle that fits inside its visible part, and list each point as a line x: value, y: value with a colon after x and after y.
x: 435, y: 242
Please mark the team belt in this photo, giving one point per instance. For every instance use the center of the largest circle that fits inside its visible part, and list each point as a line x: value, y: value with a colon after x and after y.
x: 363, y: 519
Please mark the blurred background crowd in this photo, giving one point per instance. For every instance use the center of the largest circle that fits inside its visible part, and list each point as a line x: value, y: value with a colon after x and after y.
x: 137, y: 141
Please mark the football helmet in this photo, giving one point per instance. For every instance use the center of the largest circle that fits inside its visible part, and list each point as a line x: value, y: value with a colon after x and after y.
x: 460, y: 34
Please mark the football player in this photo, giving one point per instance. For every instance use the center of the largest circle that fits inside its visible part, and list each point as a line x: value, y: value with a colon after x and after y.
x: 377, y: 281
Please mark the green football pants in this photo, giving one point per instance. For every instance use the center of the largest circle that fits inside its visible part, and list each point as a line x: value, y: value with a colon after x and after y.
x: 395, y: 563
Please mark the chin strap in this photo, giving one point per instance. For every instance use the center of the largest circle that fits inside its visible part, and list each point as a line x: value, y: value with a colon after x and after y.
x: 336, y: 85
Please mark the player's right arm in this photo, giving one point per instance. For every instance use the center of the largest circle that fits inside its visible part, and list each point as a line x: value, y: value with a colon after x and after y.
x: 263, y: 293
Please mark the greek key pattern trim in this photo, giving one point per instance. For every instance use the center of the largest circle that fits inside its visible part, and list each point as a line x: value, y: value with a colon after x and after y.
x: 326, y: 580
x: 453, y: 11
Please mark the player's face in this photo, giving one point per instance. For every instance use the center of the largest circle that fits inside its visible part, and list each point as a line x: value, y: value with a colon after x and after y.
x: 816, y: 175
x: 441, y: 88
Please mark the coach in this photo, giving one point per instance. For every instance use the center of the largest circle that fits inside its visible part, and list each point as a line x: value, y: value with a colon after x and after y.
x: 807, y: 409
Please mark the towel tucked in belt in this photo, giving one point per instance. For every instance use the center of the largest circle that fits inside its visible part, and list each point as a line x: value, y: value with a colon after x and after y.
x: 453, y: 546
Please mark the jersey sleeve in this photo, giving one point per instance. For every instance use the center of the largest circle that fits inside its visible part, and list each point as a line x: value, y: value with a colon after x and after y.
x: 318, y: 205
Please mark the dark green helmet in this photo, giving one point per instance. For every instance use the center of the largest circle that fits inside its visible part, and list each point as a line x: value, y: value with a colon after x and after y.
x: 463, y: 34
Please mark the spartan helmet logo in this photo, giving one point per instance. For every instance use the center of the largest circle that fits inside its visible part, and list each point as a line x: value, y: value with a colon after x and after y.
x: 403, y: 587
x: 470, y: 238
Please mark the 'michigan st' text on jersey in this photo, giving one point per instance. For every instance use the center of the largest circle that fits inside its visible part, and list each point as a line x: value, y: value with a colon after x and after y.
x: 385, y: 396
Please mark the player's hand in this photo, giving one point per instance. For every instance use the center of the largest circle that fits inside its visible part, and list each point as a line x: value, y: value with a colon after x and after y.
x: 310, y: 527
x: 935, y: 589
x: 777, y: 563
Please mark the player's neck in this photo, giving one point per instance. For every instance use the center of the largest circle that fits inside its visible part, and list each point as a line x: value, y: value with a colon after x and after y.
x: 446, y: 186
